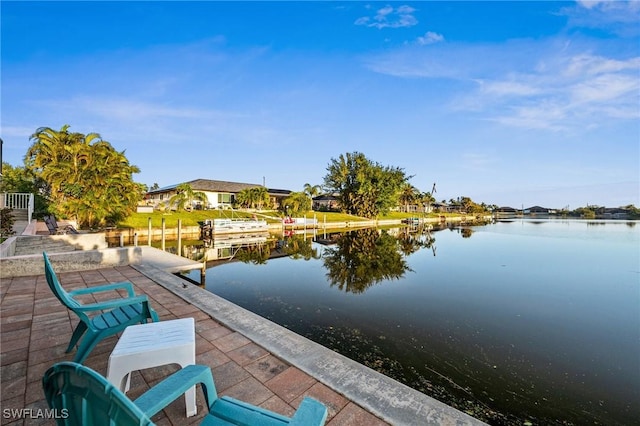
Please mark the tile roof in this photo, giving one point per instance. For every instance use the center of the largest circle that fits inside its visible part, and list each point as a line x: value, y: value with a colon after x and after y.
x: 220, y: 186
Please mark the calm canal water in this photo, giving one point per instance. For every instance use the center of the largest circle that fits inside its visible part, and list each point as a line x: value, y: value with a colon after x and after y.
x: 515, y: 321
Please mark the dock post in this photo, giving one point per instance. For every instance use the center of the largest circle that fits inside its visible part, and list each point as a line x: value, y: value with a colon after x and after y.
x: 135, y: 239
x: 121, y: 240
x: 179, y: 237
x: 163, y: 224
x: 149, y: 232
x: 203, y: 271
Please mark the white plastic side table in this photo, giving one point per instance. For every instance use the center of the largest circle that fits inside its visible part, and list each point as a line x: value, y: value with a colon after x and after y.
x: 152, y: 345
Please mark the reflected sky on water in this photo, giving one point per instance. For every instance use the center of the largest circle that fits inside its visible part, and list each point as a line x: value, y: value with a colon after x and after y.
x: 522, y: 319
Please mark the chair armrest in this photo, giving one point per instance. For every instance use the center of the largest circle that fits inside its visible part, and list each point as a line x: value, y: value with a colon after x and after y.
x: 171, y: 388
x: 107, y: 287
x: 111, y: 304
x: 310, y: 413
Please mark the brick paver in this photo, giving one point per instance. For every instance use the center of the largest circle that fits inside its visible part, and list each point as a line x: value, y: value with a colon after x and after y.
x: 35, y: 330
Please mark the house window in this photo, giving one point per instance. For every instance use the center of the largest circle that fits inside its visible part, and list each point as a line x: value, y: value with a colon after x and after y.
x: 225, y: 198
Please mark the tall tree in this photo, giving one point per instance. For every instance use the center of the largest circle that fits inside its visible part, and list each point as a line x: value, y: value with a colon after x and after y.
x: 296, y: 203
x: 88, y: 180
x: 256, y: 197
x: 409, y: 194
x: 427, y: 199
x: 185, y: 196
x: 311, y: 190
x: 365, y: 188
x: 260, y: 197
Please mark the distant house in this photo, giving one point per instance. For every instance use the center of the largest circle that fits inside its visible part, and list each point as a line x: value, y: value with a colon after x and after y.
x: 220, y: 194
x: 326, y: 202
x: 537, y: 210
x: 439, y: 207
x: 614, y: 213
x: 506, y: 211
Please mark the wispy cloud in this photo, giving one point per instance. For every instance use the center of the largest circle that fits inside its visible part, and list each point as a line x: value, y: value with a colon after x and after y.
x: 429, y: 38
x: 547, y: 84
x: 390, y: 17
x: 619, y: 17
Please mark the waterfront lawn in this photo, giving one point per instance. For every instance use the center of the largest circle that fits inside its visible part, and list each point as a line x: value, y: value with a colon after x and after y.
x: 141, y: 220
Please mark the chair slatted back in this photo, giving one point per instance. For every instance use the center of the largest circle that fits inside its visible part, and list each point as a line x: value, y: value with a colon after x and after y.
x: 86, y: 398
x: 56, y: 288
x: 51, y: 226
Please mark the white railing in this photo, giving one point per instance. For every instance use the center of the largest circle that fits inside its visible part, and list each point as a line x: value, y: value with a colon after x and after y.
x: 19, y: 201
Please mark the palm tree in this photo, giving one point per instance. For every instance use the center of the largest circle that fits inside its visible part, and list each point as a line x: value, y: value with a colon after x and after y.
x: 260, y: 196
x: 408, y: 195
x: 427, y: 199
x: 244, y: 198
x: 185, y: 196
x: 312, y: 190
x: 88, y: 179
x: 251, y: 198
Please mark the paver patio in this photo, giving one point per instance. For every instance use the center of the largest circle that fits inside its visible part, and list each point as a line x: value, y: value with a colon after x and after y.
x: 35, y: 330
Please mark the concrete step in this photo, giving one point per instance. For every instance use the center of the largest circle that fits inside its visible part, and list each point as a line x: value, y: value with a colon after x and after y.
x: 20, y: 214
x: 39, y: 243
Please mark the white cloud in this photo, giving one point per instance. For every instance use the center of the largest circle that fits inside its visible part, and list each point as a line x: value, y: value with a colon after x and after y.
x: 605, y: 87
x: 547, y: 84
x: 430, y: 38
x: 388, y: 17
x: 15, y: 131
x: 619, y: 17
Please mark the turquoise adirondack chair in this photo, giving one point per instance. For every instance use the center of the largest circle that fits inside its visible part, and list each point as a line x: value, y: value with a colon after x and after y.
x: 110, y: 316
x: 80, y: 396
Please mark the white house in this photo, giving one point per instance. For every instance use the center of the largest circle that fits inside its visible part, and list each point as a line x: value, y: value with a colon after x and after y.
x: 220, y: 194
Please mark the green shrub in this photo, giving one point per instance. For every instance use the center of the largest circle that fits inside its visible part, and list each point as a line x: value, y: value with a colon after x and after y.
x: 6, y: 223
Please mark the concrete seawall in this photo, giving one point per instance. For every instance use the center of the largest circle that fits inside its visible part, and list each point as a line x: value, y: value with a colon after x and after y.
x: 193, y: 232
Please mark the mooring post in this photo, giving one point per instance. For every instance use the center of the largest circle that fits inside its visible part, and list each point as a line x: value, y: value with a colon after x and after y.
x: 203, y: 271
x: 135, y: 239
x: 121, y: 240
x: 163, y: 224
x: 149, y: 232
x: 179, y: 237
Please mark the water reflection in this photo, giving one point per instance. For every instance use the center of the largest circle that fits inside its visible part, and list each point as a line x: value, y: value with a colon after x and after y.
x: 297, y: 246
x: 481, y: 326
x: 365, y: 257
x: 466, y: 232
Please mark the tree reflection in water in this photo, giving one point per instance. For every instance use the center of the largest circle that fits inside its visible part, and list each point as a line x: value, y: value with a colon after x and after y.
x: 413, y: 239
x: 365, y: 257
x: 297, y: 246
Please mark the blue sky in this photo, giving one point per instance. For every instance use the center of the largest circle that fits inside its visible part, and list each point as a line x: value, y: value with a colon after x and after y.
x: 509, y: 103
